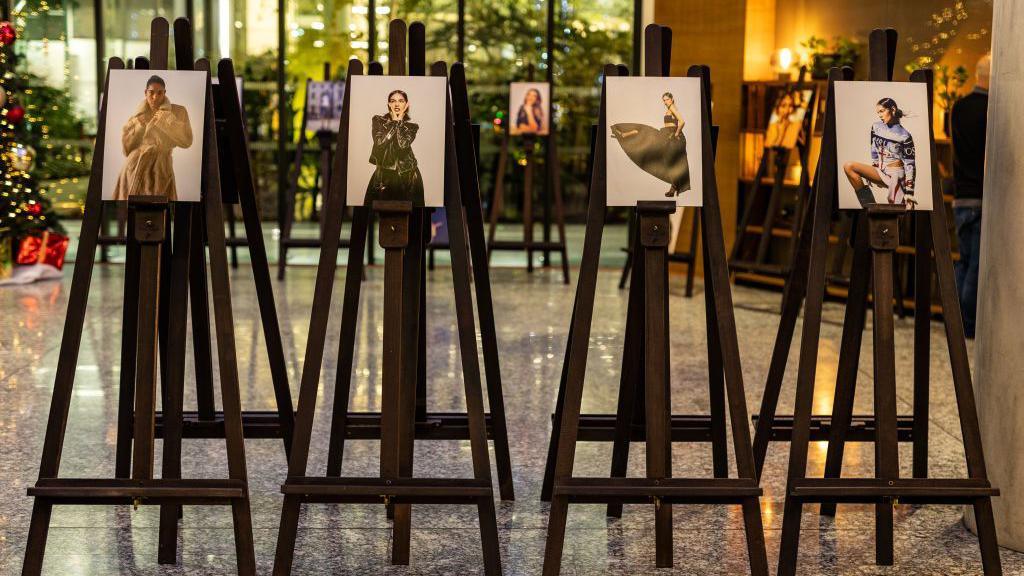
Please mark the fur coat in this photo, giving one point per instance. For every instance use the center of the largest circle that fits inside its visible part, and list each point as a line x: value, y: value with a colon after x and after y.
x: 147, y: 140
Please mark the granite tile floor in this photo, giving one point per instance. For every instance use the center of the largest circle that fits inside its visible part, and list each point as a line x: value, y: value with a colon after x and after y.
x: 532, y: 316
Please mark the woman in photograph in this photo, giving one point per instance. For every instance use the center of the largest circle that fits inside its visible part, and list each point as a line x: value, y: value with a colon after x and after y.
x: 148, y: 139
x: 397, y: 176
x: 530, y: 119
x: 783, y: 131
x: 659, y: 152
x: 892, y: 159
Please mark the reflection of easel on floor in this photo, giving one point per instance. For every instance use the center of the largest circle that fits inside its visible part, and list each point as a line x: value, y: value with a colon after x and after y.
x: 148, y: 273
x: 644, y: 409
x: 875, y: 242
x: 321, y: 186
x: 775, y: 159
x: 689, y: 256
x: 402, y: 235
x: 552, y: 185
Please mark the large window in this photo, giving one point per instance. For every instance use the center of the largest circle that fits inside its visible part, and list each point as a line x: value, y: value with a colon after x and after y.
x: 502, y: 41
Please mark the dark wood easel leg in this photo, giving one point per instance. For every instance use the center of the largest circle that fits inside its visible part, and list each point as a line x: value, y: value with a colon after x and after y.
x: 555, y: 179
x: 346, y: 347
x: 201, y: 347
x: 691, y: 267
x: 792, y: 299
x: 814, y: 291
x: 129, y: 335
x: 185, y: 234
x: 774, y: 204
x: 748, y: 208
x: 716, y: 376
x: 849, y: 355
x: 497, y: 200
x: 528, y: 144
x: 922, y: 339
x: 631, y: 403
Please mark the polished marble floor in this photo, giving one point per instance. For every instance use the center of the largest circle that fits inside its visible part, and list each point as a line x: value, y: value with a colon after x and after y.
x: 532, y: 315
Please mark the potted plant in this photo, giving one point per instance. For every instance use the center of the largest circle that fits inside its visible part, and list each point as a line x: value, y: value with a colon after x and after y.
x: 842, y: 52
x: 947, y: 91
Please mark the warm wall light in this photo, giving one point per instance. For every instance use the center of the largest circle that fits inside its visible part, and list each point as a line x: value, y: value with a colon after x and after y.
x: 785, y: 59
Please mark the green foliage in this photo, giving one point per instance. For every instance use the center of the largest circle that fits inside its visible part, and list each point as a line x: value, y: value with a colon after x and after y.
x: 842, y: 52
x: 948, y: 85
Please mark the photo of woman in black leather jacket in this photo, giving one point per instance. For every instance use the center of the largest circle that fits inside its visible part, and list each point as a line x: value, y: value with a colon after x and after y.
x: 397, y: 174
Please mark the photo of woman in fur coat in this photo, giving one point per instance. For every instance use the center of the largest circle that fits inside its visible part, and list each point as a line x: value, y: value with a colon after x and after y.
x: 148, y: 140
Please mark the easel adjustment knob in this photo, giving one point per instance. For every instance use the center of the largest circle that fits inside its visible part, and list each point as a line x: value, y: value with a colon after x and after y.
x: 883, y: 226
x: 394, y: 223
x: 150, y: 218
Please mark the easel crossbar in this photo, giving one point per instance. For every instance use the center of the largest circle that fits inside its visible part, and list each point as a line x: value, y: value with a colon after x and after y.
x: 584, y: 490
x: 907, y: 490
x: 126, y: 491
x: 400, y: 490
x: 261, y: 424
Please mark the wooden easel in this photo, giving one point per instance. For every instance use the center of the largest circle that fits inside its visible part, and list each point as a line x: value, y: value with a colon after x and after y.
x: 433, y: 425
x: 842, y: 425
x: 644, y: 410
x: 402, y: 235
x: 776, y: 159
x: 146, y: 275
x: 875, y: 243
x: 553, y: 185
x: 325, y: 140
x: 207, y: 421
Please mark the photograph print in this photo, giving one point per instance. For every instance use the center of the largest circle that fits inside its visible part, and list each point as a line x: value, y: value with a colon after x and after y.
x: 154, y: 134
x: 529, y: 108
x: 323, y: 105
x: 786, y: 124
x: 396, y: 139
x: 654, y: 140
x: 883, y: 144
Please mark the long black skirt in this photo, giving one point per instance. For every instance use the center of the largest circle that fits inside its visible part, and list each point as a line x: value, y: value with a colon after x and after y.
x: 388, y: 184
x: 656, y: 152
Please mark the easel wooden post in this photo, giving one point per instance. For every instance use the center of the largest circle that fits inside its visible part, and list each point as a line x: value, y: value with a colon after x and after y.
x: 402, y: 237
x: 434, y: 425
x: 876, y: 242
x: 648, y: 363
x: 147, y: 249
x: 553, y: 185
x: 776, y: 157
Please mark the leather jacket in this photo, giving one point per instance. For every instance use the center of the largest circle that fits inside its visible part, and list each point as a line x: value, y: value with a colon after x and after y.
x: 392, y: 144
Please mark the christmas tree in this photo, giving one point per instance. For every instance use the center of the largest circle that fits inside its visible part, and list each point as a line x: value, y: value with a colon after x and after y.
x: 25, y: 211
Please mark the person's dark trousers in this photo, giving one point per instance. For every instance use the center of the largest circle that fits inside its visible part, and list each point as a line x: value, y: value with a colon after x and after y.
x: 968, y: 231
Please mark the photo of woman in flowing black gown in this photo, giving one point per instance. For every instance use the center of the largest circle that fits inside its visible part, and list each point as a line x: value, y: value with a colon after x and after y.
x: 397, y: 174
x: 659, y: 152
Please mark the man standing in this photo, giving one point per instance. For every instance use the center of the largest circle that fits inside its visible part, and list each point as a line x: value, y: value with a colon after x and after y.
x: 968, y: 123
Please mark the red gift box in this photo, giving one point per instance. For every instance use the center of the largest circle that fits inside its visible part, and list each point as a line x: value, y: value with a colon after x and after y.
x: 47, y: 248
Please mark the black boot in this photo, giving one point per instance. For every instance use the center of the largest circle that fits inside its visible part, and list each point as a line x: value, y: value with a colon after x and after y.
x: 865, y: 196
